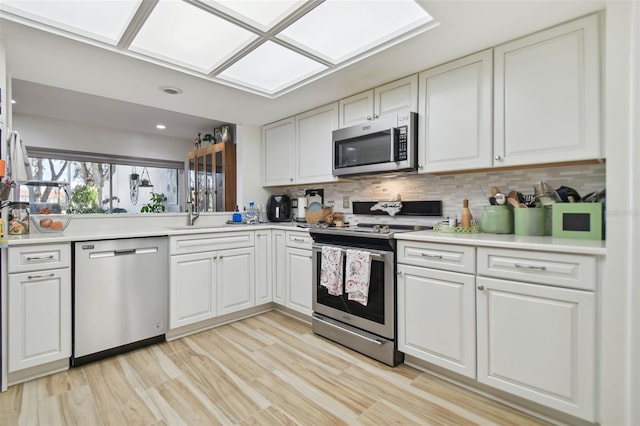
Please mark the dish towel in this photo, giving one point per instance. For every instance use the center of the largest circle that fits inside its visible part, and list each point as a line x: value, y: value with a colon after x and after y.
x: 331, y: 270
x: 19, y: 166
x: 358, y: 271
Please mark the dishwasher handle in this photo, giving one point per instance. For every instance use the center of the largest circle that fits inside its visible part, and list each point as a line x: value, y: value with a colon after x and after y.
x: 125, y: 252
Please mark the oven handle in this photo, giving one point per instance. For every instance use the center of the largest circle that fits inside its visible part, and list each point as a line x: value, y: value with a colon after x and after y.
x: 374, y: 254
x: 368, y: 339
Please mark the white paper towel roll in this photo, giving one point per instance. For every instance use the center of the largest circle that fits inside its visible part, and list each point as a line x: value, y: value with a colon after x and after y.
x: 302, y: 204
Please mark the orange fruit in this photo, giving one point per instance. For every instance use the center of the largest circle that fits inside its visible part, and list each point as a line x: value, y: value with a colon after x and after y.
x: 56, y: 225
x: 46, y: 222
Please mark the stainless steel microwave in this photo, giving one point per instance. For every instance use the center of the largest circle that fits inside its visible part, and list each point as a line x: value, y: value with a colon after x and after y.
x: 387, y: 144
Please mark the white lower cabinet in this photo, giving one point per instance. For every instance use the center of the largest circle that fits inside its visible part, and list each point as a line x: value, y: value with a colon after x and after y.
x: 192, y: 289
x: 436, y: 317
x: 39, y: 308
x: 278, y: 259
x: 235, y: 280
x: 299, y: 285
x: 538, y: 342
x: 291, y: 261
x: 211, y: 275
x: 520, y: 321
x: 436, y: 305
x: 264, y: 268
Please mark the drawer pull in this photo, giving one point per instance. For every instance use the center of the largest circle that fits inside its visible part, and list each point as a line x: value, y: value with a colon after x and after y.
x: 33, y: 277
x: 299, y: 240
x: 30, y: 258
x: 433, y: 256
x: 480, y: 287
x: 535, y: 267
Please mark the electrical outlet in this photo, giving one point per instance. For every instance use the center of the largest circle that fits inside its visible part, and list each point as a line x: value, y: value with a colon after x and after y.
x: 345, y: 202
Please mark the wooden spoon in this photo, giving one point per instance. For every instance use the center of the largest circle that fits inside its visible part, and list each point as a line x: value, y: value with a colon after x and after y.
x: 515, y: 203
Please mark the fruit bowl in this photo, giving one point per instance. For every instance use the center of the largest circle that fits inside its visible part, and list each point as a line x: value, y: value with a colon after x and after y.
x: 50, y: 222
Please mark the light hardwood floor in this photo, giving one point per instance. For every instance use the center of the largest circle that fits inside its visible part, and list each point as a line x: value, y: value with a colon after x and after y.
x: 269, y: 369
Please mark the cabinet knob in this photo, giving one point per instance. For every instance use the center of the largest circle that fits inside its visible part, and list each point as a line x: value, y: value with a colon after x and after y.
x: 421, y: 166
x: 221, y: 256
x: 399, y: 273
x: 290, y: 179
x: 498, y: 157
x: 480, y: 287
x: 369, y: 118
x: 375, y: 116
x: 215, y: 257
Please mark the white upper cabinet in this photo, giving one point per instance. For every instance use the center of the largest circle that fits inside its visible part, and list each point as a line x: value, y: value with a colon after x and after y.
x: 399, y: 95
x: 356, y: 109
x: 299, y: 150
x: 455, y: 110
x: 278, y: 151
x: 314, y: 146
x: 547, y: 96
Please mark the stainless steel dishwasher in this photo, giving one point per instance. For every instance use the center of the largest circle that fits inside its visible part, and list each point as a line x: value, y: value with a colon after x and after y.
x: 121, y: 292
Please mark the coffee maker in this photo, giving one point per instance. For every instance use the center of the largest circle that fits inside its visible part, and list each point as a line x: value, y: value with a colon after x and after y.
x: 279, y: 208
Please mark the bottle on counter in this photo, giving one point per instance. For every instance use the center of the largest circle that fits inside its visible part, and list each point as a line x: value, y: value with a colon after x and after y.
x: 237, y: 217
x: 465, y: 216
x: 252, y: 214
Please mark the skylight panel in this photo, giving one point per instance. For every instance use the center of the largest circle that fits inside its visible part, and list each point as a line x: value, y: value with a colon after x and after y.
x: 182, y: 34
x: 99, y: 19
x: 341, y: 29
x: 262, y: 14
x: 271, y: 68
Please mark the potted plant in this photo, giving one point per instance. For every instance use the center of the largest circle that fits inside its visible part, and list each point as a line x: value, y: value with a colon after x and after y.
x: 156, y: 204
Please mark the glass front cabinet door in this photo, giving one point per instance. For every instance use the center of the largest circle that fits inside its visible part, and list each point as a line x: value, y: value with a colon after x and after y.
x: 212, y: 177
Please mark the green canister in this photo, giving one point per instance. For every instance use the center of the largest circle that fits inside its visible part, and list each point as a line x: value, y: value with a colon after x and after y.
x: 497, y: 220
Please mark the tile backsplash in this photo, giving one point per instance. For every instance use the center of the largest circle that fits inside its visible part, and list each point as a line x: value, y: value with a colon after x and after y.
x: 452, y: 189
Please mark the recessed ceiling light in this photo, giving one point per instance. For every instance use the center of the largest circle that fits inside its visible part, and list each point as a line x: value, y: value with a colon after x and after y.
x: 161, y: 126
x: 169, y: 90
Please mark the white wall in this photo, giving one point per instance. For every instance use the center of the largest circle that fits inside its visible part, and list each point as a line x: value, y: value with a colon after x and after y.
x: 618, y: 295
x: 249, y: 159
x: 68, y: 135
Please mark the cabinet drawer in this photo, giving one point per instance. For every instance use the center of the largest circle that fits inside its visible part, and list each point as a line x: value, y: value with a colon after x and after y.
x: 184, y: 244
x: 299, y: 239
x: 557, y: 269
x: 39, y: 257
x: 448, y: 257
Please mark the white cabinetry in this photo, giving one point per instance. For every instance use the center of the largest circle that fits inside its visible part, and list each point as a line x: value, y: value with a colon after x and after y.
x: 436, y: 304
x: 298, y: 272
x: 278, y: 260
x: 235, y: 280
x: 536, y: 340
x: 299, y: 150
x: 455, y: 110
x: 399, y: 95
x: 264, y: 267
x: 211, y: 274
x: 314, y: 148
x: 278, y: 152
x: 39, y: 308
x: 547, y: 96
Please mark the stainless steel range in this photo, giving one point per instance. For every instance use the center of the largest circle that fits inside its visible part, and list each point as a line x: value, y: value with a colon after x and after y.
x: 371, y: 328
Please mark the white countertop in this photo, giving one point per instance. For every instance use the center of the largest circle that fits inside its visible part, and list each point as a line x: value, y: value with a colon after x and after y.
x: 563, y: 245
x: 138, y: 226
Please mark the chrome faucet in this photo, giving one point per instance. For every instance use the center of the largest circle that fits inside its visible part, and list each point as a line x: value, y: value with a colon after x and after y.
x: 192, y: 213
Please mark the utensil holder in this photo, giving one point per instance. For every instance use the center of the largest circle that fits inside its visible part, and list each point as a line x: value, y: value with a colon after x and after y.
x: 529, y: 221
x: 497, y: 220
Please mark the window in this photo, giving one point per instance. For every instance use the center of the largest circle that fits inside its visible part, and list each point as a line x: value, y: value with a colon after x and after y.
x: 93, y: 183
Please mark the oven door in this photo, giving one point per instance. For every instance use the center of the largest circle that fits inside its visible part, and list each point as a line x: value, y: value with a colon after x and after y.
x: 378, y: 316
